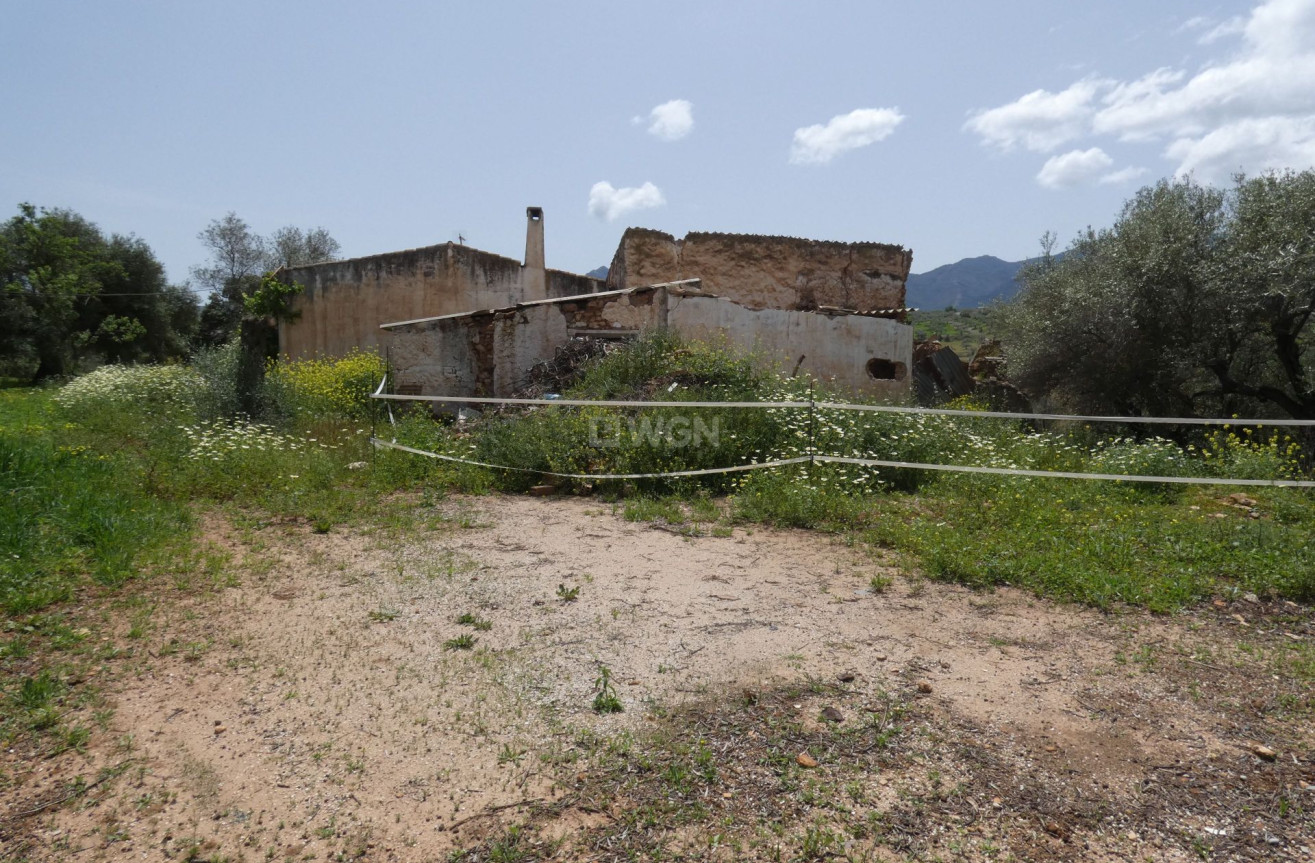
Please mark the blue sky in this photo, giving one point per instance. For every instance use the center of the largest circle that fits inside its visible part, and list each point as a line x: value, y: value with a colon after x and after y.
x: 953, y: 128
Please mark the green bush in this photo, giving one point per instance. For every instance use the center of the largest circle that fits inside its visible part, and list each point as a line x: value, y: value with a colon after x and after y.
x: 331, y: 388
x: 218, y: 392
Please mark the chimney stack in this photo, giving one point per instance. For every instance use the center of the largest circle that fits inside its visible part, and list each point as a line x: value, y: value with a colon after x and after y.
x: 534, y: 276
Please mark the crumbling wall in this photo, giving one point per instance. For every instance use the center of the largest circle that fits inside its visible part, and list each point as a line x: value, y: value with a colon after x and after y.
x: 858, y: 353
x: 761, y: 272
x: 344, y: 302
x: 489, y: 353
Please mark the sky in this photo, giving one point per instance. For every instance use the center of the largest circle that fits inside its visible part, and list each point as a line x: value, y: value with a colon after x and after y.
x: 955, y: 129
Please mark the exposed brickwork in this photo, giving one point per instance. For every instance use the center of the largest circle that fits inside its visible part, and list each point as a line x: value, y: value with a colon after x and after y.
x: 763, y: 272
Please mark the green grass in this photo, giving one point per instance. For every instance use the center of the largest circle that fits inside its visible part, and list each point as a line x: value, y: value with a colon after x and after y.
x: 605, y: 698
x: 465, y: 641
x: 1090, y: 542
x: 963, y: 330
x: 74, y: 514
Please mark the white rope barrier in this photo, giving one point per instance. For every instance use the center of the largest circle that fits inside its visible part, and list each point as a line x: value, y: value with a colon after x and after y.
x: 950, y: 412
x: 611, y: 403
x: 831, y: 459
x: 702, y: 472
x: 894, y: 409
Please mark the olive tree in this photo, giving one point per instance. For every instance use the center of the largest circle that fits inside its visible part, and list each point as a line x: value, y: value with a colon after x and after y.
x: 1194, y: 302
x: 1266, y: 283
x: 239, y: 257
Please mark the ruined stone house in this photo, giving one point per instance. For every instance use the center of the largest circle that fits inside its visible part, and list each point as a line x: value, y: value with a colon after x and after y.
x: 344, y: 302
x: 457, y: 321
x: 487, y: 352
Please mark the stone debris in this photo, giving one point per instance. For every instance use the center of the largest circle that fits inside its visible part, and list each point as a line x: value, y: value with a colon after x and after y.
x: 1264, y: 752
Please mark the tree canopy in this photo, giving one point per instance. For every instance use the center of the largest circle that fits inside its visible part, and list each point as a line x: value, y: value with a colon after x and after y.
x: 69, y: 293
x: 238, y: 258
x: 1196, y: 301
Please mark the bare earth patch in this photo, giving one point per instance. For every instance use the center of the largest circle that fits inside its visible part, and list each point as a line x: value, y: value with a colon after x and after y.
x: 775, y: 705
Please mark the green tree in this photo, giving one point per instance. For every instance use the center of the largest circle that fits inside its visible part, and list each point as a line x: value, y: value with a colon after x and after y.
x: 293, y: 247
x: 1195, y: 301
x: 136, y: 300
x: 1266, y: 278
x: 238, y: 258
x: 68, y: 294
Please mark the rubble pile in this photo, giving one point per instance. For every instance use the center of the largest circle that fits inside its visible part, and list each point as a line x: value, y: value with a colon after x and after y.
x: 564, y: 369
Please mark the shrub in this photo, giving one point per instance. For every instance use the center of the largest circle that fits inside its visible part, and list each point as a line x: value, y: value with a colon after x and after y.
x: 1249, y: 453
x: 218, y: 392
x: 325, y: 388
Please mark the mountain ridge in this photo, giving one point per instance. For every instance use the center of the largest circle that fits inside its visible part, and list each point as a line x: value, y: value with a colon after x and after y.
x: 967, y: 283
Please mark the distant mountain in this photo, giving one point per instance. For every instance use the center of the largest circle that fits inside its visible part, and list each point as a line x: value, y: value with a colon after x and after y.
x: 599, y: 273
x: 965, y: 284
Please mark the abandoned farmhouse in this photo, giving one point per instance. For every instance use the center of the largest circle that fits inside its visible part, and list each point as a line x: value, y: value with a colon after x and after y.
x: 454, y: 320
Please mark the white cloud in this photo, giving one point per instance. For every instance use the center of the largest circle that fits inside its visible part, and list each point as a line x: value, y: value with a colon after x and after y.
x: 1073, y: 168
x: 820, y: 144
x: 1282, y: 27
x: 1041, y: 120
x: 1251, y: 145
x: 669, y: 121
x: 1123, y: 175
x: 608, y: 202
x: 1250, y: 109
x: 1213, y: 31
x: 1256, y: 86
x: 1231, y: 27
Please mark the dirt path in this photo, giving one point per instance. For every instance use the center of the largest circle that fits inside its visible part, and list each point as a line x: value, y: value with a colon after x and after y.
x: 322, y: 708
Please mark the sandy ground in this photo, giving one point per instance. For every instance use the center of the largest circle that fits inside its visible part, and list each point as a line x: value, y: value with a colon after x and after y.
x: 319, y: 709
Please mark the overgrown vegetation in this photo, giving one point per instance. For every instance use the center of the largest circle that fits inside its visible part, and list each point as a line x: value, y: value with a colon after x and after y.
x: 963, y: 330
x: 1196, y: 302
x: 99, y: 474
x: 102, y: 481
x: 1158, y: 545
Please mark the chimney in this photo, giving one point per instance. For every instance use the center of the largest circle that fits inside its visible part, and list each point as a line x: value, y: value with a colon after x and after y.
x: 534, y: 278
